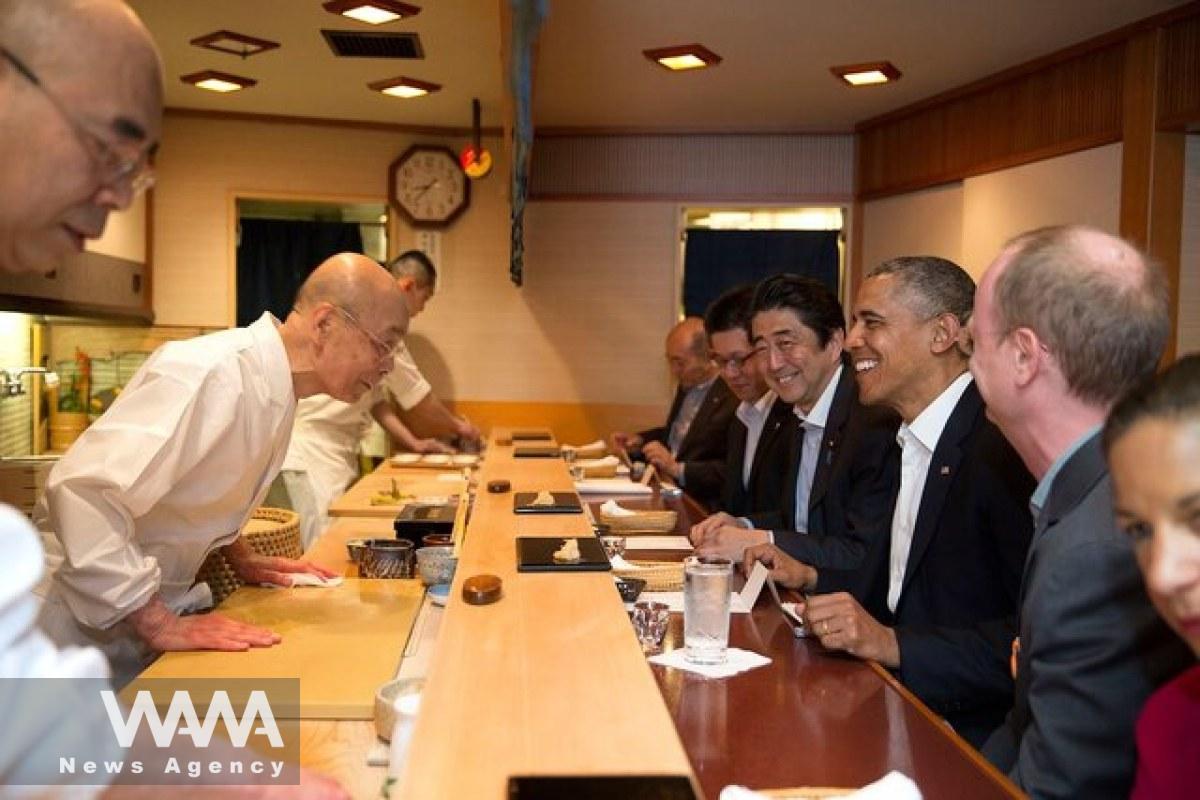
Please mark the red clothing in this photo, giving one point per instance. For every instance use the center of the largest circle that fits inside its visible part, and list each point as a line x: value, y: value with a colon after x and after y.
x: 1168, y: 741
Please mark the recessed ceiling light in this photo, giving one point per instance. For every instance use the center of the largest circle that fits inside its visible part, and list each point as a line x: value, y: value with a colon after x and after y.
x: 870, y: 74
x: 239, y: 44
x: 404, y: 87
x: 685, y: 56
x: 215, y: 81
x: 372, y: 12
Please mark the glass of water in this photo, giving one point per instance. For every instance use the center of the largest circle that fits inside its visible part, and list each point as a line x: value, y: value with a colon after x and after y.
x: 707, y: 584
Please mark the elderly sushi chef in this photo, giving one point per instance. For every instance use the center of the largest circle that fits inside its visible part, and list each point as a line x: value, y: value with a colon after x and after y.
x: 175, y: 467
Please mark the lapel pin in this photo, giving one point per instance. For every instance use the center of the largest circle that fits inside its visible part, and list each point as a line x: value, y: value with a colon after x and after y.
x: 945, y: 470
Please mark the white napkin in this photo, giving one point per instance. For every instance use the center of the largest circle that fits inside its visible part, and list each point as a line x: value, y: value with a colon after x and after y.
x: 592, y: 448
x: 620, y: 563
x: 593, y: 463
x: 611, y: 486
x: 308, y: 579
x: 612, y: 508
x: 893, y: 786
x: 657, y: 543
x: 197, y: 598
x: 736, y: 660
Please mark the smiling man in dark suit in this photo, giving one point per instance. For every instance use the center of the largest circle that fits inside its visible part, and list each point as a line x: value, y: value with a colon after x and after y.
x: 837, y: 471
x: 942, y: 585
x: 690, y: 448
x: 756, y: 459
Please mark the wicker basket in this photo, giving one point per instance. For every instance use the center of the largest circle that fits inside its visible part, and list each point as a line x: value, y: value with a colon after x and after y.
x: 269, y: 532
x: 660, y: 576
x: 650, y: 521
x: 600, y: 471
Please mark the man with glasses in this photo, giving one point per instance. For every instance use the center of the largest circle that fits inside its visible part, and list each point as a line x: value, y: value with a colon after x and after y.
x: 756, y: 461
x: 322, y: 458
x: 175, y: 467
x: 837, y: 486
x: 690, y: 448
x: 80, y: 115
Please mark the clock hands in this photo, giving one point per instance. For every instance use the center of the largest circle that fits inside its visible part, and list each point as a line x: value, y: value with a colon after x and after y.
x: 425, y: 189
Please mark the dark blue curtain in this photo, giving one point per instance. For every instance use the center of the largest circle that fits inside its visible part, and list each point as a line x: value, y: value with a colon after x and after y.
x: 275, y: 256
x: 716, y: 260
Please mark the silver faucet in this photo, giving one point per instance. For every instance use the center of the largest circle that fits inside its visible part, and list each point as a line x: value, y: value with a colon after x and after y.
x: 10, y: 380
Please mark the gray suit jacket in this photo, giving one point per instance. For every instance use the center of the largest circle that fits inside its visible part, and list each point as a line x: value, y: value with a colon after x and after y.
x: 1092, y: 647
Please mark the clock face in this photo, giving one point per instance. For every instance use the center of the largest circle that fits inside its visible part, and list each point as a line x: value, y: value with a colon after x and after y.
x: 427, y: 186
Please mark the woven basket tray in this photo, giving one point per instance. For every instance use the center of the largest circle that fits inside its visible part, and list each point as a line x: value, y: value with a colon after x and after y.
x: 660, y: 576
x: 602, y: 471
x: 269, y: 532
x: 654, y: 521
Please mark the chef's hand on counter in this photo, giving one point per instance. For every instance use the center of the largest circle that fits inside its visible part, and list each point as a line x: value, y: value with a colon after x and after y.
x: 163, y: 630
x: 253, y: 568
x: 466, y: 430
x: 431, y: 446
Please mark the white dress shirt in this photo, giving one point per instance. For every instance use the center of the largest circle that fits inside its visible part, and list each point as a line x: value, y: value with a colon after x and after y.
x: 917, y: 443
x: 754, y: 417
x: 171, y: 471
x: 812, y: 426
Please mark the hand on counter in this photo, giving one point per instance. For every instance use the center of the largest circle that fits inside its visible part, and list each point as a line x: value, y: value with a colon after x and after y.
x: 466, y: 430
x: 432, y: 446
x: 658, y: 455
x: 164, y: 631
x: 253, y: 568
x: 785, y: 570
x: 709, y: 524
x: 843, y: 624
x: 728, y: 541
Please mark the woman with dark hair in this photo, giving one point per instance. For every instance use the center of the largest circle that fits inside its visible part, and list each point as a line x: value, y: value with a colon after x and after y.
x: 1152, y: 440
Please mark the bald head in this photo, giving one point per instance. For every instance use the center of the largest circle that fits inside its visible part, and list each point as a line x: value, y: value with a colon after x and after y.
x: 687, y: 353
x: 1098, y: 305
x: 361, y: 286
x: 78, y: 119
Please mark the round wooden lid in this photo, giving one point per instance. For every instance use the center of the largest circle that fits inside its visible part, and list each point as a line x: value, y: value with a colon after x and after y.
x: 481, y: 590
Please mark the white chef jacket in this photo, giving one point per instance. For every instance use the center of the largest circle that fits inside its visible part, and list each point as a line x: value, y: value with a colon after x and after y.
x: 31, y: 725
x: 325, y: 439
x: 171, y: 471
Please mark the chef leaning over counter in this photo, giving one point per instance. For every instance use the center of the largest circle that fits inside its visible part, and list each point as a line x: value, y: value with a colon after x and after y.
x: 175, y: 467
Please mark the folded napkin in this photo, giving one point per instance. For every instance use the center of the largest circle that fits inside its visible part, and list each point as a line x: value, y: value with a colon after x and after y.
x: 657, y: 543
x: 308, y: 579
x: 893, y: 786
x: 736, y: 660
x: 596, y: 463
x: 592, y: 448
x: 544, y: 498
x: 612, y: 508
x: 620, y: 563
x: 610, y: 486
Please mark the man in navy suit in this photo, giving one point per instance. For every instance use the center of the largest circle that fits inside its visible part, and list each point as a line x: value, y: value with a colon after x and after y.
x: 837, y: 471
x: 757, y: 450
x: 690, y: 447
x: 1068, y: 319
x: 941, y: 587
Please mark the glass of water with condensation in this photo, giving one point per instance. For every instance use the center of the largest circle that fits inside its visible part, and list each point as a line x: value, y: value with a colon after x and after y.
x: 707, y: 584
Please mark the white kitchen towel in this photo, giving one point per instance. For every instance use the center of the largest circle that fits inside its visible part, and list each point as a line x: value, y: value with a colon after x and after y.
x: 308, y: 579
x: 736, y: 660
x: 893, y: 786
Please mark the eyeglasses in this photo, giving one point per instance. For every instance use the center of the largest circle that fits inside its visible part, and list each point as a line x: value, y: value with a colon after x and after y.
x: 113, y: 167
x: 735, y: 363
x: 383, y: 350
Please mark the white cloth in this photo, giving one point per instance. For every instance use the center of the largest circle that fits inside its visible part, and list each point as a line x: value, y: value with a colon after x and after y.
x: 324, y: 443
x: 812, y: 426
x: 736, y: 660
x: 917, y: 443
x: 172, y: 470
x: 893, y: 786
x: 754, y: 417
x: 31, y: 726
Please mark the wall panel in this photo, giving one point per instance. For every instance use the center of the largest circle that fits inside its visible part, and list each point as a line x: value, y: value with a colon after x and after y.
x: 1189, y: 262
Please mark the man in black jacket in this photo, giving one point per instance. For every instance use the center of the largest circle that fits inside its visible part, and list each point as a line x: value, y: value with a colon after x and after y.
x: 690, y: 447
x: 942, y: 587
x: 760, y: 437
x: 836, y: 489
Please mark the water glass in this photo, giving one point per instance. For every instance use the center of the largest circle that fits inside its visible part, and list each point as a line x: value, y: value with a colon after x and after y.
x: 613, y: 546
x: 650, y: 621
x: 577, y: 472
x: 707, y: 585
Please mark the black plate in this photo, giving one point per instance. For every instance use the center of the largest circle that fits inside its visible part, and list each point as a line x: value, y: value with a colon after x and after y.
x: 600, y: 787
x: 564, y: 503
x: 536, y: 554
x: 536, y: 452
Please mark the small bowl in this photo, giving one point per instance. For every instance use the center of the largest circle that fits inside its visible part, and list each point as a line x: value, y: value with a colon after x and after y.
x: 439, y: 594
x: 437, y: 540
x: 406, y: 692
x: 436, y: 564
x: 355, y: 548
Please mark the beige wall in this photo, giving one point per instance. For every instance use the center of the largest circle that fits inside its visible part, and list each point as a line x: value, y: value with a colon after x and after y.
x: 1083, y: 187
x: 968, y: 222
x: 1189, y: 262
x: 928, y: 222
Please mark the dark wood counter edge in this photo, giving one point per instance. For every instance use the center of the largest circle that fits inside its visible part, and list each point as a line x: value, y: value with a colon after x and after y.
x: 973, y: 755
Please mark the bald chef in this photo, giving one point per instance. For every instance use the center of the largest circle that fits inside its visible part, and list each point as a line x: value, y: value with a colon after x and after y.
x: 175, y: 467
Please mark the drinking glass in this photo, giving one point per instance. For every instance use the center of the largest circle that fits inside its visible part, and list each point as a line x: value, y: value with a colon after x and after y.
x: 650, y: 621
x: 707, y: 584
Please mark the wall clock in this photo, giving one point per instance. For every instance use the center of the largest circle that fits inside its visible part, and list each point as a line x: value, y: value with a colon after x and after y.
x: 427, y: 186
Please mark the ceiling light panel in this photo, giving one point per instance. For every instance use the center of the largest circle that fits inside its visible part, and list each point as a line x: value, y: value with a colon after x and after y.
x: 214, y: 81
x: 683, y: 57
x: 372, y: 12
x: 870, y: 74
